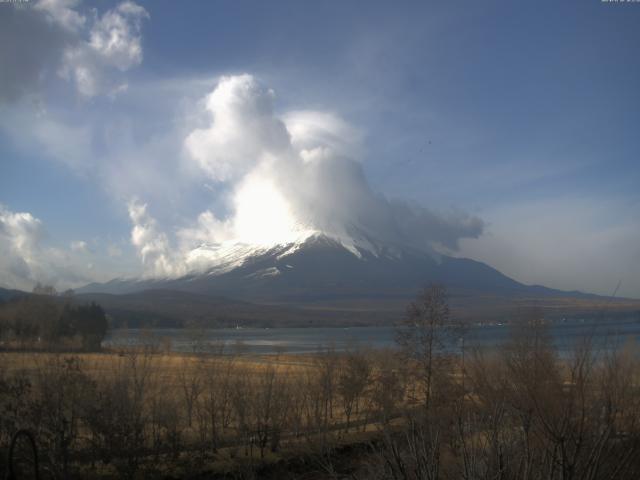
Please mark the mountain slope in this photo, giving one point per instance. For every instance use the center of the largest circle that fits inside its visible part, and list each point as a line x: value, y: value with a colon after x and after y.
x: 171, y: 308
x: 8, y: 294
x: 324, y: 269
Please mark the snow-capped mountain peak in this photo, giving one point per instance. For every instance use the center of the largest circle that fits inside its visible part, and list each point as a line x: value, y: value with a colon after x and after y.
x: 219, y: 258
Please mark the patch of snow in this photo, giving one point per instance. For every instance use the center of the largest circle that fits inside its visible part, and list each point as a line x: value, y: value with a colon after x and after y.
x: 220, y: 258
x: 265, y: 272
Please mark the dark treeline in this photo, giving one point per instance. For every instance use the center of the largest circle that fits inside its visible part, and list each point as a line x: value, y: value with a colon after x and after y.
x: 45, y: 320
x: 517, y: 412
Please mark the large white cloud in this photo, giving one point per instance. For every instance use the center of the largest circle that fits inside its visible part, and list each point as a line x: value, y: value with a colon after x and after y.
x: 284, y: 177
x: 27, y: 259
x: 243, y: 129
x: 20, y: 235
x: 304, y: 166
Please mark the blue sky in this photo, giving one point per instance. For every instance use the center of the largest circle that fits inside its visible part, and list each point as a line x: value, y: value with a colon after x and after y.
x: 523, y: 115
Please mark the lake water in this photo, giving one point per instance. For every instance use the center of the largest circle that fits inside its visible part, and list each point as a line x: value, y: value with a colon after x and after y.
x: 606, y: 334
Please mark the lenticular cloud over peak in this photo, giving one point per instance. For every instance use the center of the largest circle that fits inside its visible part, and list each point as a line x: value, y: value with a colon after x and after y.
x: 287, y: 177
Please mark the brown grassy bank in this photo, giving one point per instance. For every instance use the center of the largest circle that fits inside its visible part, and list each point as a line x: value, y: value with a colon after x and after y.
x: 360, y: 414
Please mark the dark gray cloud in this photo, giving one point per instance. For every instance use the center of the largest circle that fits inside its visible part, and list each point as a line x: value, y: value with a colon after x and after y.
x: 53, y: 37
x: 31, y: 47
x: 443, y: 229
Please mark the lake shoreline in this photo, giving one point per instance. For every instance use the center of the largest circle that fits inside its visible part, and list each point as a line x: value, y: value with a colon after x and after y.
x: 300, y: 340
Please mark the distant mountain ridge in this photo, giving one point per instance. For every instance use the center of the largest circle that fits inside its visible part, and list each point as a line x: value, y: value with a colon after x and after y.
x: 7, y: 294
x: 326, y: 280
x: 322, y: 272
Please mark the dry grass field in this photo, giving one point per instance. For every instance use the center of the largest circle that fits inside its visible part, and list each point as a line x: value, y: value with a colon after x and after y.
x: 146, y: 412
x: 141, y: 414
x: 416, y: 412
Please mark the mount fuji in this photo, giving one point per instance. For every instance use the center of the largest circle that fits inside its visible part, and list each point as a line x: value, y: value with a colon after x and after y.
x: 319, y: 266
x: 351, y: 278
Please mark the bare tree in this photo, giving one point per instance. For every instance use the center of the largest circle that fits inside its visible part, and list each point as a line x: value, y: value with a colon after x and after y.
x: 190, y: 380
x: 353, y: 379
x: 424, y: 335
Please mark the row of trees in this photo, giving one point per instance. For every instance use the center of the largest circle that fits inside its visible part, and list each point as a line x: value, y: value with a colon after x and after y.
x: 46, y: 321
x: 419, y: 412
